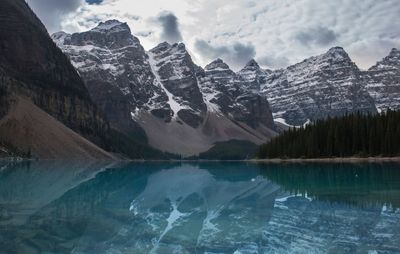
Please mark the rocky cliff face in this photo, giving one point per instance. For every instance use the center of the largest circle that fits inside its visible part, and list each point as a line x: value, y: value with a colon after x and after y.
x: 32, y: 66
x: 383, y: 82
x: 176, y: 72
x: 230, y: 94
x: 116, y: 71
x: 321, y: 86
x: 163, y: 91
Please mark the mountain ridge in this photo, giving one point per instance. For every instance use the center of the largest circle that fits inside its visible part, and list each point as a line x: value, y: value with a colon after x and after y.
x: 176, y: 103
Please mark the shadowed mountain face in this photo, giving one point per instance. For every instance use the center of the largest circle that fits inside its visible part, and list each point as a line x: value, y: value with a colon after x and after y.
x: 31, y: 66
x: 203, y: 207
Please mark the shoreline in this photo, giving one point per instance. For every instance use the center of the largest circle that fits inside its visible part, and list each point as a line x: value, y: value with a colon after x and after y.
x: 331, y: 160
x: 277, y: 160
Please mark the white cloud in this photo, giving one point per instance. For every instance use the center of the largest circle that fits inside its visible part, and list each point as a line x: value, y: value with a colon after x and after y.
x: 281, y: 31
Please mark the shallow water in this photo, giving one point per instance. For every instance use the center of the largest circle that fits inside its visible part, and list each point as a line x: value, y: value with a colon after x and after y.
x: 55, y: 207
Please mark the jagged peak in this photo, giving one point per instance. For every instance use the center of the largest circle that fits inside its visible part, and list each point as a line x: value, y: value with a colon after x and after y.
x: 252, y: 64
x: 333, y: 54
x: 217, y: 64
x: 391, y: 61
x: 111, y: 25
x: 180, y: 45
x: 337, y: 51
x: 163, y: 46
x: 59, y: 34
x: 60, y: 37
x: 394, y: 52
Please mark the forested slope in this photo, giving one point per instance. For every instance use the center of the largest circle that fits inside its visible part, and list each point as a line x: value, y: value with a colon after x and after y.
x: 351, y: 135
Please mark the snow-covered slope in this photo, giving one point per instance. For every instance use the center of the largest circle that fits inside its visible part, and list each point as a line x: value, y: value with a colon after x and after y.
x: 383, y: 81
x: 180, y: 106
x: 326, y: 85
x: 176, y: 72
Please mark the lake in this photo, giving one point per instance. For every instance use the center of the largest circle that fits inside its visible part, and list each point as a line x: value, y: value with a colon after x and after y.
x: 72, y: 207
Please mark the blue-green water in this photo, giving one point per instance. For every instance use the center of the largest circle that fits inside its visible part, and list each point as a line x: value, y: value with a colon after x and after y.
x: 49, y: 207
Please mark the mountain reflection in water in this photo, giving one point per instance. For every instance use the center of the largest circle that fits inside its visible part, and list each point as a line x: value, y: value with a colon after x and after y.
x: 58, y: 207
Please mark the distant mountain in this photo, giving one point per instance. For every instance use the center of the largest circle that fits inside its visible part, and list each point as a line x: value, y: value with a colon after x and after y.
x: 326, y: 85
x: 383, y: 82
x: 182, y: 108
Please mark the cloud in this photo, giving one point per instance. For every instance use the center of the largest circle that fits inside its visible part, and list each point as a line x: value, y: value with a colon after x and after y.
x: 279, y: 31
x: 52, y: 12
x: 317, y: 35
x: 170, y: 27
x: 273, y: 61
x: 236, y: 55
x: 94, y: 1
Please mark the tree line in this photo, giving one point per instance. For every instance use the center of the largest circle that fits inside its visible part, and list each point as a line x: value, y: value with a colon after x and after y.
x: 351, y: 135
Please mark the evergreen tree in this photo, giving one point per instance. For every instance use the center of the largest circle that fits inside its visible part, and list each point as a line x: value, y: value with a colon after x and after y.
x: 350, y: 135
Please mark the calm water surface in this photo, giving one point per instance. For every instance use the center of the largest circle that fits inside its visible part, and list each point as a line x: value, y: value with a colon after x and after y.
x: 49, y: 207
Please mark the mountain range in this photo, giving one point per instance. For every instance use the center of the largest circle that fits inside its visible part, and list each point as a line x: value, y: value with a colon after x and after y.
x: 174, y: 100
x: 107, y: 95
x: 182, y: 107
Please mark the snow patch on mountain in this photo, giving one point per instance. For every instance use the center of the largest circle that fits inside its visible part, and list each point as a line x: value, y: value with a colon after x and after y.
x: 175, y: 106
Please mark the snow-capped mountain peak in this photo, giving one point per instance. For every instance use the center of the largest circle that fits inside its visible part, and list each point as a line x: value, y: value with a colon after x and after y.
x: 252, y: 64
x: 326, y: 85
x: 383, y: 81
x: 111, y: 26
x: 216, y: 65
x: 392, y: 61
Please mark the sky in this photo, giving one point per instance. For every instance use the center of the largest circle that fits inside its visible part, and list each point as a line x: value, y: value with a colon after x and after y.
x: 277, y: 33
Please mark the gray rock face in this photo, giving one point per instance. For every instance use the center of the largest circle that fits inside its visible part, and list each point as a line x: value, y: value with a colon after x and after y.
x: 253, y: 76
x: 177, y: 73
x: 383, y: 82
x: 326, y: 85
x: 117, y: 72
x: 229, y: 93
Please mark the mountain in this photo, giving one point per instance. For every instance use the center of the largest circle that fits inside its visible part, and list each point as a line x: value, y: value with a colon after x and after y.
x: 383, y: 82
x: 226, y: 93
x: 253, y: 76
x: 176, y: 72
x: 181, y: 107
x: 116, y: 71
x: 326, y: 85
x: 38, y: 78
x: 46, y: 110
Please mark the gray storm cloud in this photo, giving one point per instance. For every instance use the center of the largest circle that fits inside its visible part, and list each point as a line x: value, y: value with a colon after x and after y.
x: 317, y: 35
x: 236, y: 55
x: 170, y: 27
x: 52, y: 12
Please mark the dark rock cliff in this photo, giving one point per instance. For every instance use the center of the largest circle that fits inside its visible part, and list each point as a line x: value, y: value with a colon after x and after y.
x: 33, y: 66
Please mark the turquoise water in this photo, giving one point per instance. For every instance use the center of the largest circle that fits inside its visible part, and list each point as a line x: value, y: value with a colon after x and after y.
x: 49, y: 207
